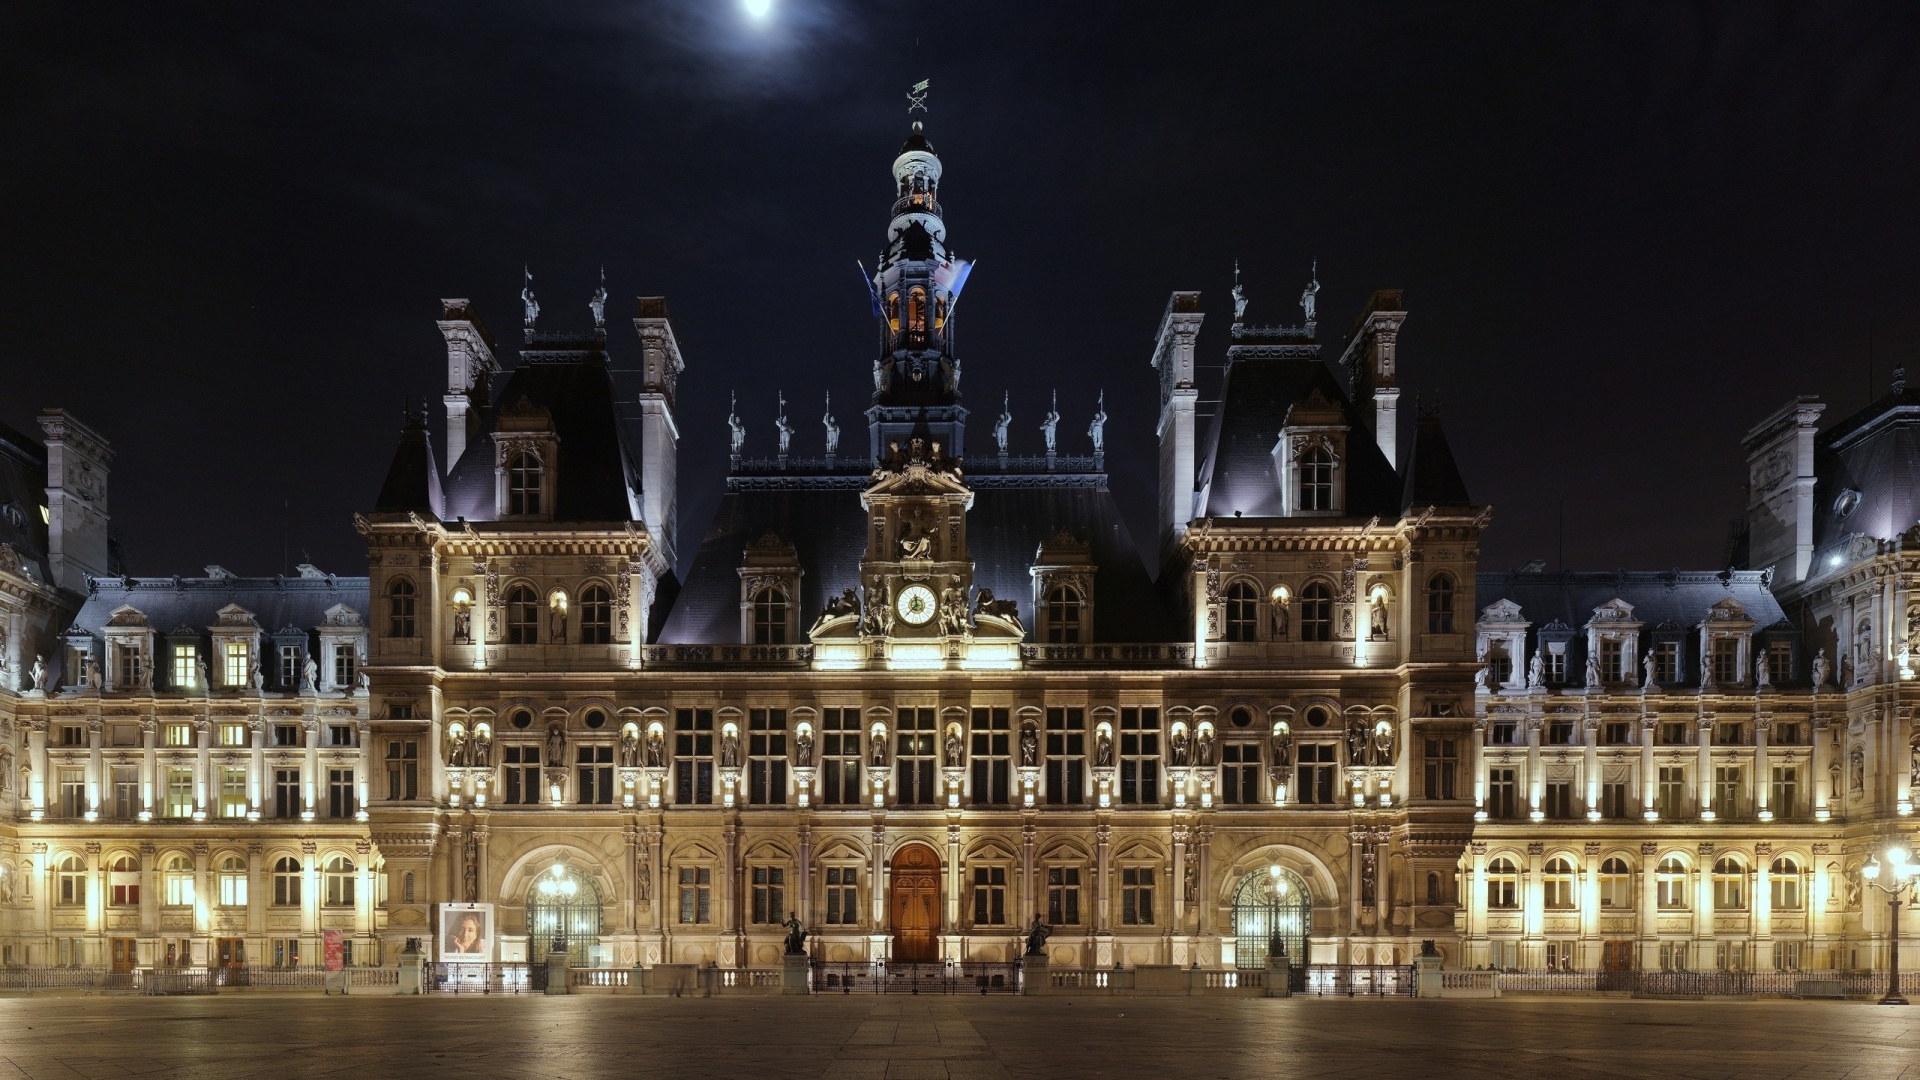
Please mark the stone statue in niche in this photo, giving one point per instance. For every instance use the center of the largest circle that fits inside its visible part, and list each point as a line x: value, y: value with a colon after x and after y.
x: 953, y: 611
x: 1280, y: 622
x: 803, y: 748
x: 1357, y: 742
x: 656, y: 749
x: 1029, y: 746
x: 1857, y: 760
x: 456, y: 747
x: 1280, y: 745
x: 462, y: 624
x: 1103, y: 748
x: 1203, y: 747
x: 556, y: 745
x: 955, y: 747
x: 470, y: 878
x: 480, y: 750
x: 629, y: 747
x: 730, y: 749
x: 877, y: 752
x: 1179, y: 745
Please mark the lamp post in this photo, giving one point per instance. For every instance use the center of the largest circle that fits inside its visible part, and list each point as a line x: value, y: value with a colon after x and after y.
x: 1276, y: 895
x: 1902, y: 870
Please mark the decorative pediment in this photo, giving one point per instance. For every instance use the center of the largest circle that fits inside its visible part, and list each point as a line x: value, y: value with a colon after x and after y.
x: 1315, y: 410
x: 1613, y: 611
x: 523, y: 410
x: 342, y: 615
x: 1502, y: 611
x: 918, y: 470
x: 1728, y: 611
x: 128, y: 615
x: 233, y: 616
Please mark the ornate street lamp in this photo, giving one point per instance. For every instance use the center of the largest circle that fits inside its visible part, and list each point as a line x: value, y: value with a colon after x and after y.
x: 1902, y: 870
x: 1276, y: 895
x: 556, y: 891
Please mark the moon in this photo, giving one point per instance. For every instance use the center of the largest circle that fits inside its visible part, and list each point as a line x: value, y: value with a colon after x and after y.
x: 758, y: 9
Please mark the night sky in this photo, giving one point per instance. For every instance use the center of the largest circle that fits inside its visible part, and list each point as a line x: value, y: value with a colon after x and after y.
x: 1626, y: 233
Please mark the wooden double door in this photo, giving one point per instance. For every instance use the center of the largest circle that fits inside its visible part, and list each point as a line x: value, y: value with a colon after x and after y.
x: 913, y: 903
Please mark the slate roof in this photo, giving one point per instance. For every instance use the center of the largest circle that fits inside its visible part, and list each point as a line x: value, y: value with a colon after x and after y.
x: 596, y: 476
x: 1432, y: 478
x: 23, y: 491
x: 413, y: 480
x: 1011, y: 517
x: 1663, y: 600
x: 1256, y: 394
x: 1875, y: 452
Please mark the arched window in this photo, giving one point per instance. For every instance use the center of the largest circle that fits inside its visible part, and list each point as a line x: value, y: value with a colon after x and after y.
x: 1503, y: 883
x: 339, y: 874
x: 176, y: 879
x: 233, y: 881
x: 1616, y: 884
x: 523, y: 616
x: 123, y: 881
x: 1243, y: 612
x: 1433, y: 888
x: 1729, y: 884
x: 406, y: 887
x: 286, y: 881
x: 1272, y: 904
x: 525, y: 477
x: 917, y: 310
x: 1785, y: 877
x: 1670, y: 884
x: 770, y: 616
x: 400, y: 599
x: 893, y: 310
x: 596, y: 615
x: 1316, y: 479
x: 1440, y: 604
x: 70, y: 881
x: 1063, y: 615
x: 1316, y: 613
x: 1558, y: 885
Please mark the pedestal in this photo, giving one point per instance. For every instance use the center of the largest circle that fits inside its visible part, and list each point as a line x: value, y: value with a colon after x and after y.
x: 793, y: 973
x: 410, y: 967
x: 1279, y: 972
x: 1426, y: 976
x: 1033, y: 976
x: 557, y: 965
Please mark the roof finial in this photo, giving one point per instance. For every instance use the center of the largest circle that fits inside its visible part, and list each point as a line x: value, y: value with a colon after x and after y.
x: 527, y: 302
x: 598, y: 305
x: 917, y: 98
x: 1312, y: 289
x: 1239, y: 295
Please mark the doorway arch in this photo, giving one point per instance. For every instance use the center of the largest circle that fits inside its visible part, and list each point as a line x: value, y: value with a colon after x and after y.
x: 567, y: 910
x: 913, y: 903
x: 1271, y: 905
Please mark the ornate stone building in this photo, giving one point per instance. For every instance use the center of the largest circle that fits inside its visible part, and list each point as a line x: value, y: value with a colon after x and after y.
x: 920, y: 693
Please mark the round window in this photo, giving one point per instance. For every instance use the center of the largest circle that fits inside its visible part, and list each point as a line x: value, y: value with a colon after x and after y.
x: 1318, y: 716
x: 522, y: 719
x: 1241, y: 716
x: 1846, y: 503
x: 596, y: 719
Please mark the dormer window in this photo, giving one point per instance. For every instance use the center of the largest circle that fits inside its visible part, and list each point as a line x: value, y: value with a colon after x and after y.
x: 186, y: 666
x: 770, y: 609
x: 525, y: 479
x: 1063, y: 615
x: 1316, y: 480
x: 236, y: 660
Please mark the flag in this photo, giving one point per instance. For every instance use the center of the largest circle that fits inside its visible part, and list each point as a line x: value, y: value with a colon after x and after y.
x: 873, y: 294
x: 921, y: 86
x: 952, y: 276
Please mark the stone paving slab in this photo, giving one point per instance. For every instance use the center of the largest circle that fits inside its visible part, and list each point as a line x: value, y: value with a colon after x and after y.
x: 960, y: 1038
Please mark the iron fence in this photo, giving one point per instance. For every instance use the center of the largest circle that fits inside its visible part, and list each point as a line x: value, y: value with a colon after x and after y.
x: 904, y: 977
x: 1351, y: 980
x: 1693, y: 983
x: 458, y: 978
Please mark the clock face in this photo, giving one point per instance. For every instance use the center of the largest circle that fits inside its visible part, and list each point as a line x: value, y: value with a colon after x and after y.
x: 916, y: 604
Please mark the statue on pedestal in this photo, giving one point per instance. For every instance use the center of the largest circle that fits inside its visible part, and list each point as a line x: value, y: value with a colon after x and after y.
x: 1037, y: 936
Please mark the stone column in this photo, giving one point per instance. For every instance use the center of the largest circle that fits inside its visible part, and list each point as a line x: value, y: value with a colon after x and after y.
x: 258, y: 897
x: 37, y: 759
x: 361, y: 739
x: 203, y: 897
x: 310, y: 888
x: 806, y: 876
x: 1354, y: 840
x: 96, y: 782
x: 1649, y: 776
x: 1476, y: 904
x: 1590, y: 908
x: 149, y: 892
x: 1762, y: 776
x: 96, y: 895
x: 1704, y: 769
x: 951, y: 882
x: 1820, y: 784
x: 205, y: 786
x: 1203, y: 878
x: 1179, y: 880
x: 258, y: 786
x: 1702, y: 902
x: 312, y: 783
x: 1102, y: 883
x: 1536, y: 777
x: 1533, y: 904
x: 1029, y: 899
x: 1649, y: 913
x: 1761, y: 904
x: 1591, y: 765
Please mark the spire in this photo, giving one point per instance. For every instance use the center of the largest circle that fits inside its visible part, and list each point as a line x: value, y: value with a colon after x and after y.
x: 1432, y: 478
x: 413, y: 479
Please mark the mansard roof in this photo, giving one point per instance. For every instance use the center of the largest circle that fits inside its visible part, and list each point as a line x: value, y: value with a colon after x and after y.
x: 823, y: 520
x: 1670, y: 599
x: 413, y: 480
x: 594, y: 473
x: 1432, y: 478
x: 1262, y: 384
x: 1876, y: 454
x: 23, y: 491
x: 173, y: 603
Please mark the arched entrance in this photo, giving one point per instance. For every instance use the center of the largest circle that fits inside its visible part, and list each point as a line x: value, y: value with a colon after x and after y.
x: 914, y: 905
x: 563, y: 904
x: 1271, y: 904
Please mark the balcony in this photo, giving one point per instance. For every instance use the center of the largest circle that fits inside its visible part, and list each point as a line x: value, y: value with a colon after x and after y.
x: 706, y: 657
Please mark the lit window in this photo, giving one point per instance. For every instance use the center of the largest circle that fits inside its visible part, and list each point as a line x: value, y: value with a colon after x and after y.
x: 1670, y: 884
x: 177, y: 880
x: 233, y: 882
x: 1558, y: 884
x: 70, y: 881
x: 286, y: 882
x: 233, y: 734
x: 186, y: 666
x: 1784, y: 876
x: 339, y: 882
x: 1729, y: 885
x: 233, y: 793
x: 235, y: 670
x: 1616, y: 884
x: 123, y: 877
x: 1503, y: 884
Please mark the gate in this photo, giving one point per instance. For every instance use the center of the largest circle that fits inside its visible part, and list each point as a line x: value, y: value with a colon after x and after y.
x: 910, y: 977
x: 465, y: 978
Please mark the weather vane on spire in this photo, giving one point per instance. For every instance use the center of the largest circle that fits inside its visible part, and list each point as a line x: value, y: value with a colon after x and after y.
x: 917, y: 97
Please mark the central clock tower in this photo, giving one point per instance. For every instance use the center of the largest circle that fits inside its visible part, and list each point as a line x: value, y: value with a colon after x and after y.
x: 916, y: 575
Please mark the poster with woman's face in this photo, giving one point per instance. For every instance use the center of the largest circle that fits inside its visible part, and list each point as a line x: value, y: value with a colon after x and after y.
x: 466, y: 932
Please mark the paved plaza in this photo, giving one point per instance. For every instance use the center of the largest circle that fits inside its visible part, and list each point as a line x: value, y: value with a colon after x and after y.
x: 288, y: 1037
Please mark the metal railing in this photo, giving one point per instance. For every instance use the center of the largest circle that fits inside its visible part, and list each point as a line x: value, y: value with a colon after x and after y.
x: 1145, y: 654
x: 443, y: 978
x: 1351, y: 980
x: 725, y: 655
x: 903, y: 977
